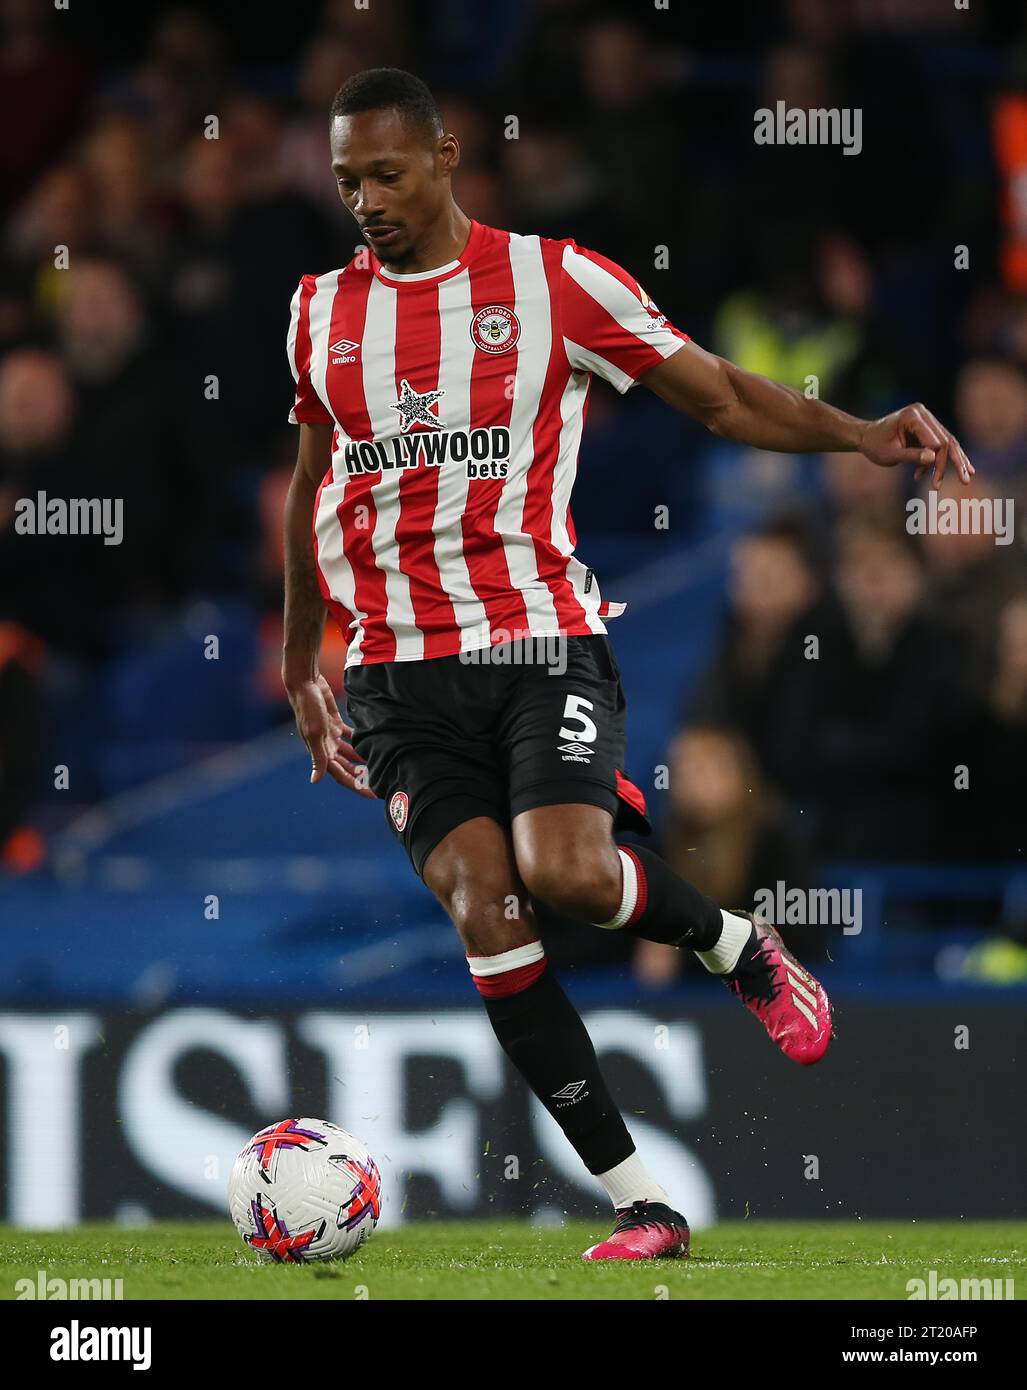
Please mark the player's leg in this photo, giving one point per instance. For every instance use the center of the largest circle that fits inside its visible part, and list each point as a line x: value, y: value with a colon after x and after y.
x: 565, y: 747
x: 473, y: 874
x: 427, y: 734
x: 569, y: 860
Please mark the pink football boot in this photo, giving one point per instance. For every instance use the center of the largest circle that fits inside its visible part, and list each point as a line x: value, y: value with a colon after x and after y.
x: 644, y: 1231
x: 788, y: 1001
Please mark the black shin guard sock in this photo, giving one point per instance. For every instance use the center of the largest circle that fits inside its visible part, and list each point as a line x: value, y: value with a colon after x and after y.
x: 541, y: 1032
x: 674, y: 912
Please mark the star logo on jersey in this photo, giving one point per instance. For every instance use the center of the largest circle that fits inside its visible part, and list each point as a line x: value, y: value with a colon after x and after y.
x: 415, y: 408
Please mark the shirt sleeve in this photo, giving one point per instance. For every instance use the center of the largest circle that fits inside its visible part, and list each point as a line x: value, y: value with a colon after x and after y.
x: 308, y: 408
x: 610, y: 325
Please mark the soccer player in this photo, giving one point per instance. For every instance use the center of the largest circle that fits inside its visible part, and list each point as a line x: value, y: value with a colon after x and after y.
x: 442, y: 379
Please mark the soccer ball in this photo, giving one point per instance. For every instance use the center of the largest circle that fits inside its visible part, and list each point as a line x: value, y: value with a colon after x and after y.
x: 304, y: 1190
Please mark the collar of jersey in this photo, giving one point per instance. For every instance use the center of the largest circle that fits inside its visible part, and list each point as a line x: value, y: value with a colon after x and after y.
x: 440, y: 272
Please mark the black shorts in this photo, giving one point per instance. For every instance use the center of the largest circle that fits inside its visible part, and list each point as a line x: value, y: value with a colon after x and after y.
x: 455, y: 737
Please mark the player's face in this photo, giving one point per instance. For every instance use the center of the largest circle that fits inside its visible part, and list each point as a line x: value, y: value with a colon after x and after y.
x: 392, y: 178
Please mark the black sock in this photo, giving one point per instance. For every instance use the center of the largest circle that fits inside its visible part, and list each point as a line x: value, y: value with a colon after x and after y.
x: 541, y: 1032
x: 667, y: 908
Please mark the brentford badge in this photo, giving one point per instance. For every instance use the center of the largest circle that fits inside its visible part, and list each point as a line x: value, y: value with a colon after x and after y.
x: 398, y: 808
x: 495, y: 329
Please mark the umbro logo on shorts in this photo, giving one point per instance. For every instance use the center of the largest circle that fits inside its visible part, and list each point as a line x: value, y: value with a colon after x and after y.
x: 576, y: 753
x: 399, y: 808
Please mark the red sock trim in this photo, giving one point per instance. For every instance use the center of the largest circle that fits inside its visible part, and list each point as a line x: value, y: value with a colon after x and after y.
x: 510, y: 982
x: 642, y: 898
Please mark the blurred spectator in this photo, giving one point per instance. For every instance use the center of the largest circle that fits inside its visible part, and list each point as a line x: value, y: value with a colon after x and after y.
x: 780, y: 331
x: 812, y: 320
x: 1012, y: 332
x: 774, y: 584
x: 552, y: 187
x: 247, y: 240
x: 629, y: 145
x: 37, y: 408
x: 971, y: 577
x: 884, y: 371
x: 991, y: 420
x: 482, y: 195
x: 131, y: 214
x: 128, y: 443
x: 864, y: 731
x: 1008, y: 691
x: 820, y: 23
x: 58, y: 214
x: 855, y: 487
x: 127, y: 439
x: 101, y: 321
x: 987, y: 821
x: 43, y: 96
x: 788, y: 197
x: 379, y: 34
x: 473, y: 127
x: 179, y: 82
x: 725, y: 834
x: 306, y: 160
x: 67, y: 588
x: 22, y: 727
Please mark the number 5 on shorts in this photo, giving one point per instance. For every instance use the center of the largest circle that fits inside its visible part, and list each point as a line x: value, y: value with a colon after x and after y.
x: 572, y: 710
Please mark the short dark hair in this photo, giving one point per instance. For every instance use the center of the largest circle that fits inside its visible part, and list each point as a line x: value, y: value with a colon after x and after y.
x: 793, y: 529
x: 378, y: 89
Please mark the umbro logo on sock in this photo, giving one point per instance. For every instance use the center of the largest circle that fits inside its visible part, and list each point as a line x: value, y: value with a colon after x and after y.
x: 570, y: 1093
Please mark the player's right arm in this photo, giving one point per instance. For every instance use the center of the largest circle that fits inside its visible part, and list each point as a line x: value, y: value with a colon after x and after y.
x: 313, y: 703
x: 612, y: 327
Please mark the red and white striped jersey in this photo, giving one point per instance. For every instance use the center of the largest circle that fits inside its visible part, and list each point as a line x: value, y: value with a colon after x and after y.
x: 458, y: 397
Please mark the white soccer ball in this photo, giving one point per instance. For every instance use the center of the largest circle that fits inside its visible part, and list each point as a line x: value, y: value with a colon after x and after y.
x: 304, y: 1190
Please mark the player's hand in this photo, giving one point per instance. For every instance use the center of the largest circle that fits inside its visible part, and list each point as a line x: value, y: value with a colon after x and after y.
x: 913, y: 435
x: 327, y: 736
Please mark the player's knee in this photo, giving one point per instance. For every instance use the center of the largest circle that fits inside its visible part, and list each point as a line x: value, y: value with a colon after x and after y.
x: 584, y: 883
x: 489, y: 923
x: 474, y: 877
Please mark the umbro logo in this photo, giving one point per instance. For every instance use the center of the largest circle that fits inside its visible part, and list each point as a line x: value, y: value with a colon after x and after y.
x: 575, y: 752
x: 346, y: 349
x: 571, y: 1092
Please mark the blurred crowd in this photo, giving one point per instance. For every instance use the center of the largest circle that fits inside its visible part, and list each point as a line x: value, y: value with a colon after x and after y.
x: 146, y: 271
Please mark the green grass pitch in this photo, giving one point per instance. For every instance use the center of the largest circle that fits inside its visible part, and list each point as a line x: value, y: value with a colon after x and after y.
x: 510, y: 1260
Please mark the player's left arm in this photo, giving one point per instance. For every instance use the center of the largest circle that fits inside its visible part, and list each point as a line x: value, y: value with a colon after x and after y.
x: 751, y: 409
